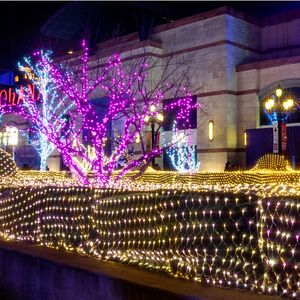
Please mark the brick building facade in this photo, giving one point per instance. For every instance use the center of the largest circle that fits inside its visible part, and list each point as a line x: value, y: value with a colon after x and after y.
x: 238, y: 59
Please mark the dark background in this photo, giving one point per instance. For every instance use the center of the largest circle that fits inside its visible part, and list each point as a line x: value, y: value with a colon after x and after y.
x: 26, y: 26
x: 20, y: 25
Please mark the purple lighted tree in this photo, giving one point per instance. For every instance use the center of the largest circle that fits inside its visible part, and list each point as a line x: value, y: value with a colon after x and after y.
x: 135, y: 89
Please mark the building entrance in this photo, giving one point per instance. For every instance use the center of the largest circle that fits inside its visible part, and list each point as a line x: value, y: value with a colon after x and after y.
x: 260, y: 142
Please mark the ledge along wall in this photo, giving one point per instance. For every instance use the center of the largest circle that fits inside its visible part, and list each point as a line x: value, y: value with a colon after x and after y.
x: 31, y: 272
x: 30, y: 277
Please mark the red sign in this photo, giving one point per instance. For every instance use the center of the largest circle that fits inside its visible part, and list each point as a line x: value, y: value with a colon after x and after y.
x: 283, y: 137
x: 10, y: 97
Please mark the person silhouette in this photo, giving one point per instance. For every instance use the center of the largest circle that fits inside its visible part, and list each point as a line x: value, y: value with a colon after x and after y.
x: 228, y: 166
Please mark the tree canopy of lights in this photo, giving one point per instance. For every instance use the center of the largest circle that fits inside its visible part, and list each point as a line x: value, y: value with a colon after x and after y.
x: 47, y: 110
x: 135, y: 88
x: 183, y: 156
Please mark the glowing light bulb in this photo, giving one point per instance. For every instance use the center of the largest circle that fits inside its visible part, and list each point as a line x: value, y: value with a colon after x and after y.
x: 160, y: 117
x: 278, y: 91
x: 152, y: 108
x: 269, y: 104
x: 286, y: 105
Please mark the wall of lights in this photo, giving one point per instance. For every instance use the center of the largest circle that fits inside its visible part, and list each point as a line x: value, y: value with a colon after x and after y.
x: 7, y: 165
x: 269, y: 169
x: 243, y: 236
x: 273, y: 162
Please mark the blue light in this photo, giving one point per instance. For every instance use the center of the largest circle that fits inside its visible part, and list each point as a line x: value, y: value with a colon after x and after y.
x: 50, y: 104
x: 182, y: 155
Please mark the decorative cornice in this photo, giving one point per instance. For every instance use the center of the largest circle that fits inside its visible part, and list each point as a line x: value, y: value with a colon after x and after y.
x: 139, y: 44
x: 226, y: 92
x: 270, y: 63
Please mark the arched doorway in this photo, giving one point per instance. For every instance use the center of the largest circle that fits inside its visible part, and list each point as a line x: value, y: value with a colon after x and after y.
x: 260, y: 140
x: 291, y: 89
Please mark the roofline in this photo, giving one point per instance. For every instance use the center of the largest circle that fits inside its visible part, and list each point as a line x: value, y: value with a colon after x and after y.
x: 184, y: 21
x: 207, y: 15
x: 112, y: 43
x: 224, y: 10
x: 275, y: 19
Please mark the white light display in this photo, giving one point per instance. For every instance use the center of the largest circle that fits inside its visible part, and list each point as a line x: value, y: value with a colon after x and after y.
x: 9, y: 137
x: 49, y: 105
x: 183, y: 155
x: 13, y: 136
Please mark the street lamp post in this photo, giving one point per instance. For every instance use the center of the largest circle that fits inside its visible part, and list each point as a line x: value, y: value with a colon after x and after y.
x: 152, y: 142
x: 155, y: 118
x: 278, y: 109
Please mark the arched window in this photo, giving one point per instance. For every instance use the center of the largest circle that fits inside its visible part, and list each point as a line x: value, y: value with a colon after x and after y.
x: 290, y: 90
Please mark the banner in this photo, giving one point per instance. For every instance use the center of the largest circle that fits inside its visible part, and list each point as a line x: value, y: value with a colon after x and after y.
x: 283, y: 137
x: 275, y: 137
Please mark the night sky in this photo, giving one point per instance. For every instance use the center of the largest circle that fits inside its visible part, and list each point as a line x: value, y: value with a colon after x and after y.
x: 20, y: 25
x: 21, y: 22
